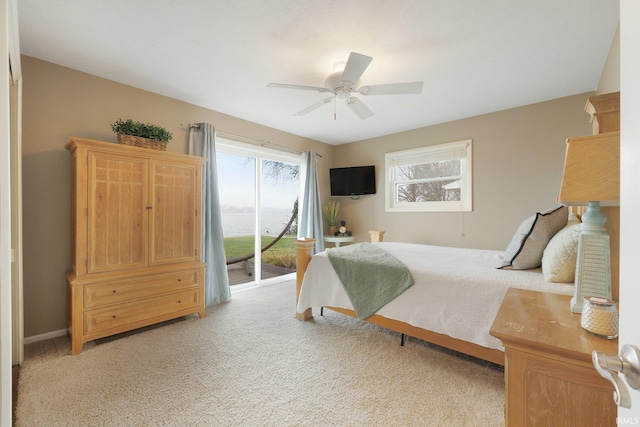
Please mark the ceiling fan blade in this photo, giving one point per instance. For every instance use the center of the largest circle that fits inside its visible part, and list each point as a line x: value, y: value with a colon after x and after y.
x: 359, y: 108
x: 356, y: 65
x: 314, y: 106
x: 286, y: 86
x: 407, y: 88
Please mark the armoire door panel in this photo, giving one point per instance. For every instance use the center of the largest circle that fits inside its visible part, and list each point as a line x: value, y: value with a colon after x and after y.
x: 117, y: 212
x: 173, y: 225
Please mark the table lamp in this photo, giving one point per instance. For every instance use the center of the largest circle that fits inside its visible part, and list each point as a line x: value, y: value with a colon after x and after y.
x: 592, y: 177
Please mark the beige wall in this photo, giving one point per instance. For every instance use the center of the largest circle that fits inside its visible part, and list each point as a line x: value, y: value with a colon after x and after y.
x: 58, y: 103
x: 518, y: 156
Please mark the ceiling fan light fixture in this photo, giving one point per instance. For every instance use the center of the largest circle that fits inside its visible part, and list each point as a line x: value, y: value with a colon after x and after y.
x: 343, y: 93
x: 334, y: 82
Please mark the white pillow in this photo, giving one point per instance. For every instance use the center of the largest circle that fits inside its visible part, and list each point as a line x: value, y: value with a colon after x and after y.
x: 559, y: 258
x: 528, y: 244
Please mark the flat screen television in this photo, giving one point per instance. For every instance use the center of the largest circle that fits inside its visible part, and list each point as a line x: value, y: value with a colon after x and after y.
x: 353, y: 181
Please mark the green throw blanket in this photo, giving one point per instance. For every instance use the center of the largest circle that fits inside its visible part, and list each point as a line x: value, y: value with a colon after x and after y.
x: 371, y: 276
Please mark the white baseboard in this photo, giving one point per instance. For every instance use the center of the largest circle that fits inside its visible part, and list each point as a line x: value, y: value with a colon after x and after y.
x: 47, y: 336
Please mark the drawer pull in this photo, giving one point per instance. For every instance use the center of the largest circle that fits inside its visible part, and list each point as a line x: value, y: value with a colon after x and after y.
x: 114, y: 291
x: 179, y: 302
x: 114, y: 316
x: 179, y: 280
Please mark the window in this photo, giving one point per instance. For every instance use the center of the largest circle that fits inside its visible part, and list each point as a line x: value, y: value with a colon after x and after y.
x: 429, y: 179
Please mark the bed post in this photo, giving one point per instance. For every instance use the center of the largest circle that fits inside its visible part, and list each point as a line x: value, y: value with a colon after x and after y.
x: 376, y: 236
x: 304, y: 252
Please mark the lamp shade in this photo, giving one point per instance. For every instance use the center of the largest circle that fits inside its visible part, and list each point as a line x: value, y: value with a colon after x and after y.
x: 592, y: 170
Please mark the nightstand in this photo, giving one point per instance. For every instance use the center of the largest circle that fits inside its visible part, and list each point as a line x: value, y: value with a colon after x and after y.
x: 337, y: 240
x: 549, y: 376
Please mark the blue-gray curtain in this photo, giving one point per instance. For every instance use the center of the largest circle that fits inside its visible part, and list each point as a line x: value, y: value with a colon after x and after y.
x: 310, y: 220
x: 202, y: 143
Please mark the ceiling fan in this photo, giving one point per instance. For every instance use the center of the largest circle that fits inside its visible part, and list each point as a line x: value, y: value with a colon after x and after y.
x: 346, y: 83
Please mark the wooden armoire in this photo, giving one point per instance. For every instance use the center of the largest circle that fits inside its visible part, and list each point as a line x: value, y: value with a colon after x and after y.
x: 135, y: 239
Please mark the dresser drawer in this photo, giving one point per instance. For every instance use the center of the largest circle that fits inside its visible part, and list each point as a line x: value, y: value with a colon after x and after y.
x: 116, y: 292
x: 116, y: 316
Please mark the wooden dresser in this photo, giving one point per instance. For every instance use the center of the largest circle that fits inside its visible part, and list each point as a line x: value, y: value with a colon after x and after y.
x: 135, y: 239
x: 550, y: 379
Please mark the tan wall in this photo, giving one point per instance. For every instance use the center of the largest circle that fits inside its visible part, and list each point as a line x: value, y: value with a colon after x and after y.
x: 518, y: 156
x: 58, y: 103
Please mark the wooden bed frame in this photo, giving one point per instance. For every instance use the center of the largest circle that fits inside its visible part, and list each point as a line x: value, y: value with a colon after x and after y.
x: 604, y: 111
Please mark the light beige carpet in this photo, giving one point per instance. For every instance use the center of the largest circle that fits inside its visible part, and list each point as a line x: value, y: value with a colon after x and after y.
x: 251, y: 363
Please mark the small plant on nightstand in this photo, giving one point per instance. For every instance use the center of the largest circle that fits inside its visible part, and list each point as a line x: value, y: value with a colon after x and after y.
x: 331, y: 211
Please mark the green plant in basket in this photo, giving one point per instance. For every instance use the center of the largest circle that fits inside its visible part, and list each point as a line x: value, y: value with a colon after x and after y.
x: 134, y: 128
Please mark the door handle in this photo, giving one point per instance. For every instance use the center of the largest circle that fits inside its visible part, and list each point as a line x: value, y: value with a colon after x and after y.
x: 627, y: 364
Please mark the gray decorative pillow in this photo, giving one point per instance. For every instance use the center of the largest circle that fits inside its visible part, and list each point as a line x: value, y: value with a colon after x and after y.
x: 527, y: 246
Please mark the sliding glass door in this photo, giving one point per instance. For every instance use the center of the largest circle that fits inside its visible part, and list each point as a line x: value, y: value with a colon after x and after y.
x: 258, y: 197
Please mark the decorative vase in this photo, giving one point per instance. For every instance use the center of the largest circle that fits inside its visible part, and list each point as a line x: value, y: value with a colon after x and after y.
x: 332, y: 230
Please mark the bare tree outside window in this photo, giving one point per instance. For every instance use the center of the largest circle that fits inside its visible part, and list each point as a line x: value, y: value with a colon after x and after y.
x: 279, y: 172
x: 429, y: 182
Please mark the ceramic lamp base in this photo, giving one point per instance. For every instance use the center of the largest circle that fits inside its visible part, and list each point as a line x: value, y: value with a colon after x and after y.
x: 593, y: 265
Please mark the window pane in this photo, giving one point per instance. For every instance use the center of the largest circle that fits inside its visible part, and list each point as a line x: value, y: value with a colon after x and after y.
x: 436, y: 191
x: 428, y: 170
x: 236, y: 177
x: 278, y: 215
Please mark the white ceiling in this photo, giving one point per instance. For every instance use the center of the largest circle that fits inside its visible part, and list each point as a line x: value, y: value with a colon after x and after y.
x: 474, y: 56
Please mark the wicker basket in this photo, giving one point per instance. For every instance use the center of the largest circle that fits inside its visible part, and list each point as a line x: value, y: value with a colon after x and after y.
x: 138, y: 141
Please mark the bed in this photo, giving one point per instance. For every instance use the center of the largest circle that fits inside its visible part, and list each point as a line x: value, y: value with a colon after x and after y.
x: 456, y: 295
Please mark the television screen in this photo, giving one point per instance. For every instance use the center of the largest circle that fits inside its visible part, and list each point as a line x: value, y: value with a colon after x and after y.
x: 353, y: 181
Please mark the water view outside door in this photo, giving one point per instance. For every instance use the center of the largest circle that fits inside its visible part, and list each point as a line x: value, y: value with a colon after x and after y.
x: 267, y: 205
x: 279, y: 217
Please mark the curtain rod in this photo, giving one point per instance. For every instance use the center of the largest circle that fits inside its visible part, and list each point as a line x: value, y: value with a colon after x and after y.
x: 262, y: 142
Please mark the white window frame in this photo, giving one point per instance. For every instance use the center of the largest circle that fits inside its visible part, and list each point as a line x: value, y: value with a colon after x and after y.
x: 449, y: 151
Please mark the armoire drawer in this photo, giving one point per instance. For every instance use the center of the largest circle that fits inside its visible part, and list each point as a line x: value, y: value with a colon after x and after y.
x: 137, y: 311
x: 116, y: 292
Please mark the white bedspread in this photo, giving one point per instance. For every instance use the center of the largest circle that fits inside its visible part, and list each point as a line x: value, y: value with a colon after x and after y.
x: 457, y: 291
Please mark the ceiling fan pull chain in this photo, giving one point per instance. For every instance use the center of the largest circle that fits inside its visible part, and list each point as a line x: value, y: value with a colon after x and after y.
x: 334, y: 109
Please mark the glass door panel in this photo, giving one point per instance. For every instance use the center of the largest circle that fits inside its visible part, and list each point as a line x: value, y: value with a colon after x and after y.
x: 237, y: 187
x: 279, y: 189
